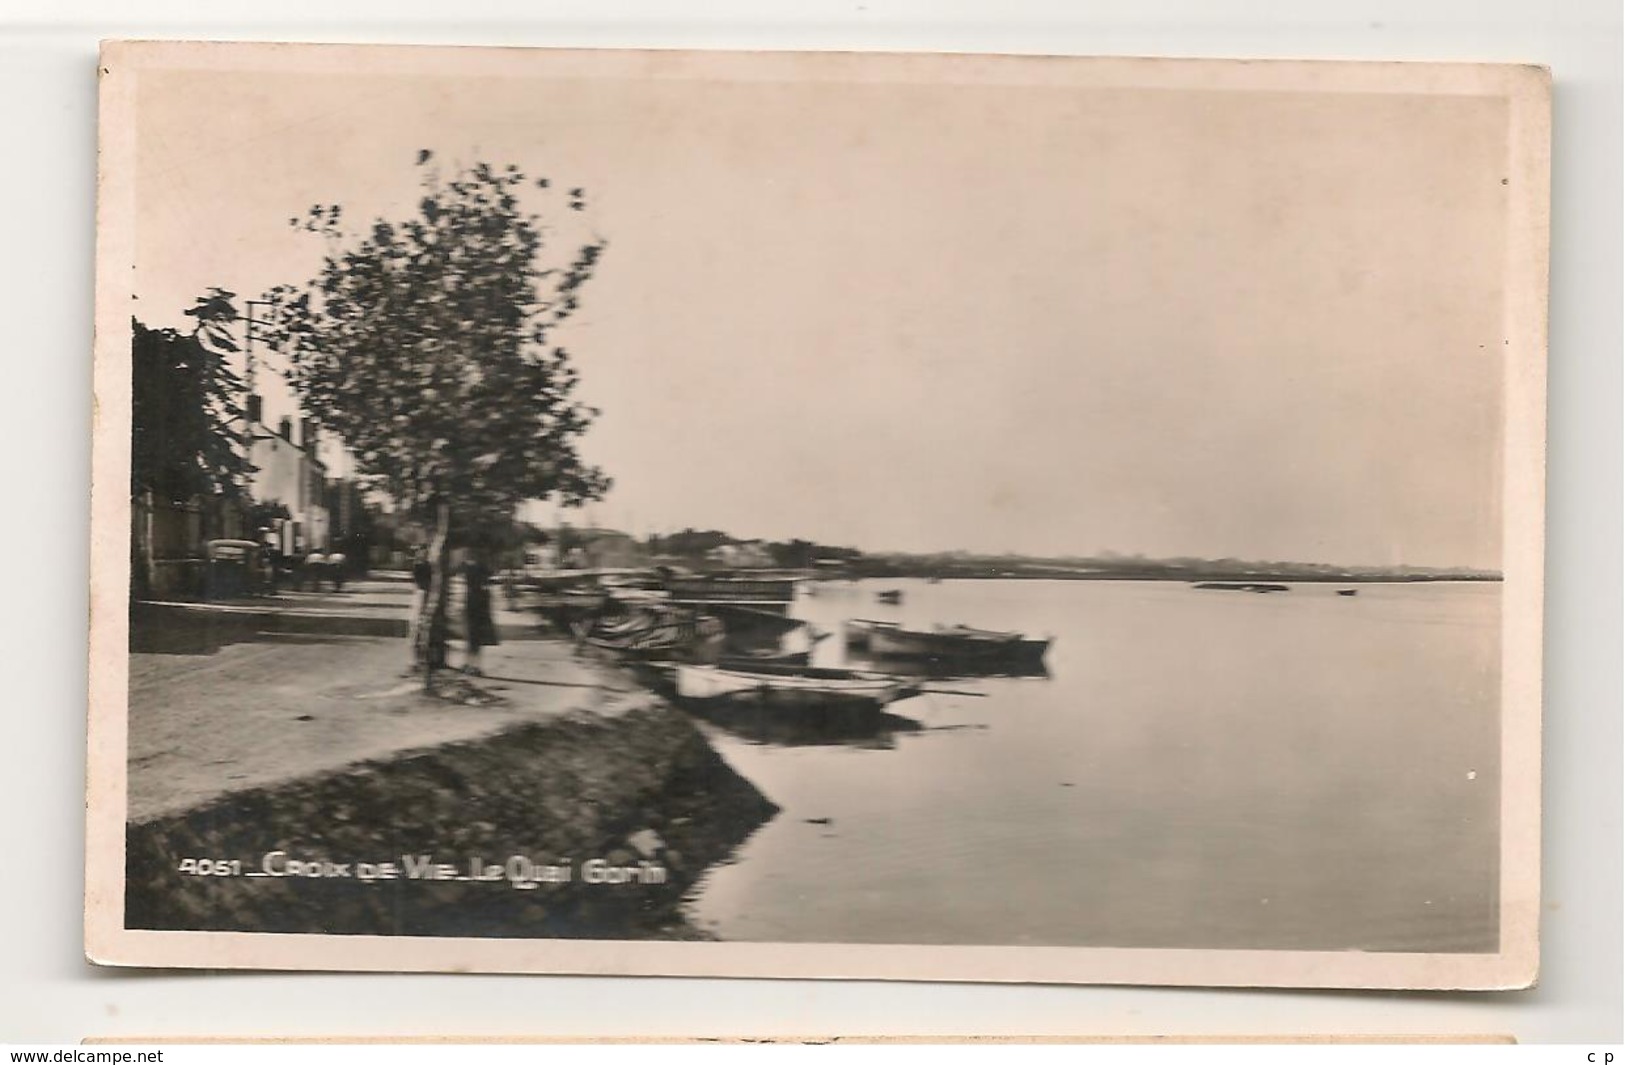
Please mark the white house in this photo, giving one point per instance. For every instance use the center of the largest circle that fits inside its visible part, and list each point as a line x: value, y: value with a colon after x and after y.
x: 288, y: 472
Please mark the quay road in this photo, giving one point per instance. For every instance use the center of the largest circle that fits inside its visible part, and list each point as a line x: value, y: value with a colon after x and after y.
x: 226, y: 697
x: 379, y: 606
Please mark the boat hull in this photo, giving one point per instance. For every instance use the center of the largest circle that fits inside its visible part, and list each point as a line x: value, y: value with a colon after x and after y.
x: 952, y: 647
x: 771, y: 594
x: 654, y: 631
x: 813, y: 701
x: 783, y: 688
x: 1241, y: 586
x: 755, y: 660
x: 857, y: 631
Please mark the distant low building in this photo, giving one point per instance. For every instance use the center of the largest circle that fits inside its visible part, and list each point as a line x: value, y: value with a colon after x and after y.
x: 752, y: 554
x: 593, y: 548
x: 607, y: 549
x: 540, y: 558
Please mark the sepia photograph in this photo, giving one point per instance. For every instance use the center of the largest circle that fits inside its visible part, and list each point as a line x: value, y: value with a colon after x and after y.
x: 927, y: 517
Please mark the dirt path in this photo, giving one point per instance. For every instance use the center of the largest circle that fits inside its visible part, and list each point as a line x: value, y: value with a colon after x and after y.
x: 281, y: 707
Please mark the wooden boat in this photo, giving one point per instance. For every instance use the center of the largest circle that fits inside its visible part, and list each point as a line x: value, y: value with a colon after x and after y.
x: 1348, y: 591
x: 891, y: 595
x: 755, y: 624
x: 750, y: 660
x: 571, y: 610
x: 1243, y: 586
x: 857, y: 631
x: 802, y: 689
x: 761, y: 592
x: 752, y: 632
x: 927, y: 671
x: 657, y: 631
x: 955, y: 643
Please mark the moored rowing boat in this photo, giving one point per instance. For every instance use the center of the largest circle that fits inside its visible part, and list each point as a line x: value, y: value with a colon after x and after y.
x: 858, y: 631
x: 792, y: 688
x: 954, y: 642
x: 762, y: 592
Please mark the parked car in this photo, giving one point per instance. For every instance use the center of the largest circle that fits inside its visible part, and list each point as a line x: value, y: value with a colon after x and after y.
x: 233, y: 568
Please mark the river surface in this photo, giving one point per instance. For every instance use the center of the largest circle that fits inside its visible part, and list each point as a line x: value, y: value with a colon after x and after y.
x: 1200, y: 768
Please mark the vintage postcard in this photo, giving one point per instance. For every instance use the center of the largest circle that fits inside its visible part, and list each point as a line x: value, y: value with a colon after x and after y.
x: 977, y: 518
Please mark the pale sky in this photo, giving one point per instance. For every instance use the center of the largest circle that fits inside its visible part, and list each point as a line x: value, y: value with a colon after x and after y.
x: 1020, y: 318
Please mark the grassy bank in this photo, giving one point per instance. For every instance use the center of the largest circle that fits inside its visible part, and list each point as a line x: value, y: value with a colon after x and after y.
x: 444, y: 841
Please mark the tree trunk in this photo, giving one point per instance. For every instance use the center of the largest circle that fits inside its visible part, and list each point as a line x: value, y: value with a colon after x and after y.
x: 433, y: 624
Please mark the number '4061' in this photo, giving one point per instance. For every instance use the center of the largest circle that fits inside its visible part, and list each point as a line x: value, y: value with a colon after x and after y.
x: 211, y: 867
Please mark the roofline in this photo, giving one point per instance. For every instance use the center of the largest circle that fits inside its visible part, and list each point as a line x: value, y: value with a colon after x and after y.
x: 270, y: 435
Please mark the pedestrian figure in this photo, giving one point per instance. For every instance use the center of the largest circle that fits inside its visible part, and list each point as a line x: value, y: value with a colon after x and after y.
x: 335, y: 569
x: 422, y: 574
x: 316, y: 569
x: 479, y: 627
x: 271, y: 560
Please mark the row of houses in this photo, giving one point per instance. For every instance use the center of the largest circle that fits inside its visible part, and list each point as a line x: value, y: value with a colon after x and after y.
x: 751, y: 554
x: 292, y: 502
x: 595, y: 548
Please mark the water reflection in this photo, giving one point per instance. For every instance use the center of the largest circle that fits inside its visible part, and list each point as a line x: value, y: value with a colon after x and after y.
x: 930, y: 669
x: 762, y: 725
x: 1301, y: 771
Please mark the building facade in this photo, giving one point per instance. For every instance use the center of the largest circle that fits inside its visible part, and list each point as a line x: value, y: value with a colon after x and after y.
x: 287, y: 471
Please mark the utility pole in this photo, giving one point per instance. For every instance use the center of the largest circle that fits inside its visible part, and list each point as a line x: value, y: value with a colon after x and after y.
x: 249, y: 322
x: 252, y: 410
x: 251, y: 401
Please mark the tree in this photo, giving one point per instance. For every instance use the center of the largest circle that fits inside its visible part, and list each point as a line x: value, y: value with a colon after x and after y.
x: 793, y: 554
x: 426, y: 344
x: 183, y: 402
x: 183, y: 405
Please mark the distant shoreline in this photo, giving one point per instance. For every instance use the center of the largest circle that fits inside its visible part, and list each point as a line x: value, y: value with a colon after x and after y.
x: 1184, y: 577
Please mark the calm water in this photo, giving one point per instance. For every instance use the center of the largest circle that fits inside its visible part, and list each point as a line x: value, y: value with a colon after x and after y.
x: 1205, y: 769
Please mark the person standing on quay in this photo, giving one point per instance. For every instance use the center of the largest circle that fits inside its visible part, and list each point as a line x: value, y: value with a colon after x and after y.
x: 270, y: 561
x: 479, y: 628
x: 316, y: 569
x: 336, y: 562
x: 422, y: 573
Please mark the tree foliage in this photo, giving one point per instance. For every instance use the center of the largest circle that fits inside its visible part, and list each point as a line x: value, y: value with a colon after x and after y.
x: 184, y: 403
x: 426, y: 344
